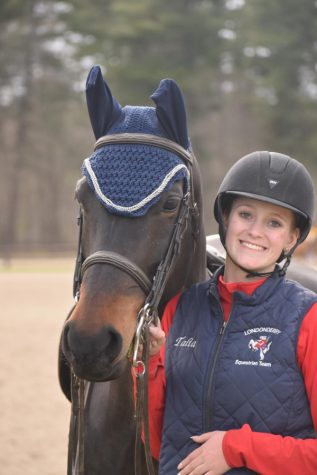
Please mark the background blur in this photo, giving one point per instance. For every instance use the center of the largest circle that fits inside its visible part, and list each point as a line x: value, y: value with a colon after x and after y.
x: 248, y: 70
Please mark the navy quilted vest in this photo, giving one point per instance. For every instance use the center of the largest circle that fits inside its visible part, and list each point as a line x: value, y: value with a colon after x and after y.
x: 220, y: 377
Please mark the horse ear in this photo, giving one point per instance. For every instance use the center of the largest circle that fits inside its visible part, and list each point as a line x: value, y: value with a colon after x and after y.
x: 170, y: 110
x: 103, y: 108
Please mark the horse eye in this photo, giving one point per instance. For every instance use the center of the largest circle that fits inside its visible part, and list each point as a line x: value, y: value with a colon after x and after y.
x: 171, y: 204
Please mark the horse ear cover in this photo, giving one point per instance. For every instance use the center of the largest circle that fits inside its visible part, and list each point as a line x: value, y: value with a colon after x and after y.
x: 103, y: 108
x: 170, y: 111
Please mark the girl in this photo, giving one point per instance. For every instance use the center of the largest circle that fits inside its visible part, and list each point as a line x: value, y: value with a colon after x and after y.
x: 234, y: 387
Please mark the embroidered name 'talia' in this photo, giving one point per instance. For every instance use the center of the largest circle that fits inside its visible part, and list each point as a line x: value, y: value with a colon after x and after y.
x: 184, y: 341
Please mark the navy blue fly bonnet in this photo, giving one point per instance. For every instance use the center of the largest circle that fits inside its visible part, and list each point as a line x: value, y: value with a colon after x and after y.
x: 128, y: 171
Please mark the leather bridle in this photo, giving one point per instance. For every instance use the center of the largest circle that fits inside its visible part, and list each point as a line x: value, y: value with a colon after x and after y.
x: 152, y: 289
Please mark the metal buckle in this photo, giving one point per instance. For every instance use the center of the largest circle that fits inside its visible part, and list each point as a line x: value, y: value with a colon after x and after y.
x: 145, y: 317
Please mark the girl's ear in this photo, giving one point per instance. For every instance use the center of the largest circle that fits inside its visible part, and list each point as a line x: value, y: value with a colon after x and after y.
x: 225, y: 219
x: 294, y: 236
x: 103, y: 108
x: 170, y: 111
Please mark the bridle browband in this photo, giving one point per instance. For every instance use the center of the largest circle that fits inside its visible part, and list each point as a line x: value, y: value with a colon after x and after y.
x: 153, y: 290
x: 145, y: 139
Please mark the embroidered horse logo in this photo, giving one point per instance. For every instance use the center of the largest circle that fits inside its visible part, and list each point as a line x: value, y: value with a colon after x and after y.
x: 262, y: 345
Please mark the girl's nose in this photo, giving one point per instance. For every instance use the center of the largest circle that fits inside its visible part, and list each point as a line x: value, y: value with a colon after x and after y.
x: 256, y: 228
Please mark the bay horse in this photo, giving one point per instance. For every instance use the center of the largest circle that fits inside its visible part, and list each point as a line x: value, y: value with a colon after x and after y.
x: 141, y: 224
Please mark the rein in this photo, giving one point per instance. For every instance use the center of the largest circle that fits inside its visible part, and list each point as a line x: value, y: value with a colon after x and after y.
x: 147, y: 314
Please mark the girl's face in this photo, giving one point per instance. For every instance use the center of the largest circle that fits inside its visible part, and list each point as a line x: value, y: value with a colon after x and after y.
x: 256, y: 234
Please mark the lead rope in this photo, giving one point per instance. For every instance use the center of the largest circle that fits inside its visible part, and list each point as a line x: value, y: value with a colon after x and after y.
x: 142, y: 420
x: 76, y: 457
x: 81, y: 429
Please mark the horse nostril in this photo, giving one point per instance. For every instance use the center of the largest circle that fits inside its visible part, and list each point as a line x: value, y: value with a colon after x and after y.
x: 80, y: 347
x: 114, y: 343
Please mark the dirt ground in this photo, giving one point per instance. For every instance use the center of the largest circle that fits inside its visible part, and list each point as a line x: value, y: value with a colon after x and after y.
x: 35, y: 297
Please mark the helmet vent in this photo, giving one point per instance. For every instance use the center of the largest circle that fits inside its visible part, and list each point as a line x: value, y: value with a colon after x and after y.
x: 272, y: 183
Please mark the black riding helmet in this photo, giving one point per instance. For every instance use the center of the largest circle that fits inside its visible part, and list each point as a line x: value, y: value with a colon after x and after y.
x: 271, y: 177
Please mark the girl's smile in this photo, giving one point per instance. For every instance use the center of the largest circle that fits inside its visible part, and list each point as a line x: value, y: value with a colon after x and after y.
x: 255, y: 247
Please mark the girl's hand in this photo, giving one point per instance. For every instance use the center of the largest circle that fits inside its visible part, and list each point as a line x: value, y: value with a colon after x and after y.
x: 157, y: 339
x: 208, y: 459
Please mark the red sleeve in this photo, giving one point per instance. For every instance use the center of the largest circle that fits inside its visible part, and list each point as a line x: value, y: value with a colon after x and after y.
x: 273, y: 454
x: 156, y: 386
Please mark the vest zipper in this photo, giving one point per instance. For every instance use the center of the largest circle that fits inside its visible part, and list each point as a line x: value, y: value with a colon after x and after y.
x: 207, y: 421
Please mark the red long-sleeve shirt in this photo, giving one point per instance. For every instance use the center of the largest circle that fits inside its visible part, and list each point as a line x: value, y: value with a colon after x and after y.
x: 266, y: 454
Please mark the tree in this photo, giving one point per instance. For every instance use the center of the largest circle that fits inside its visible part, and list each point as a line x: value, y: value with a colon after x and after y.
x: 276, y: 52
x: 37, y: 89
x: 247, y: 70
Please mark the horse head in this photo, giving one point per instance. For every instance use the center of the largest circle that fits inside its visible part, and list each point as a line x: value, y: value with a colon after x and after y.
x: 133, y: 191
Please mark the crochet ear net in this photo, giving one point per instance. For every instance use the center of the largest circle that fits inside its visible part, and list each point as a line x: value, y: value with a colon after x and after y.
x: 129, y: 178
x: 104, y: 110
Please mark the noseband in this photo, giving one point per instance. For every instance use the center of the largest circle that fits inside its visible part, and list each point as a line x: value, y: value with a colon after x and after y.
x: 122, y: 263
x: 152, y: 289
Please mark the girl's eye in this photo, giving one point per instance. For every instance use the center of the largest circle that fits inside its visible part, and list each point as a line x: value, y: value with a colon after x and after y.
x: 245, y: 215
x: 275, y: 224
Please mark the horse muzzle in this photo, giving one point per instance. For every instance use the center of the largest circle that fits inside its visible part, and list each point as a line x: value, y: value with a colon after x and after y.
x: 94, y: 357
